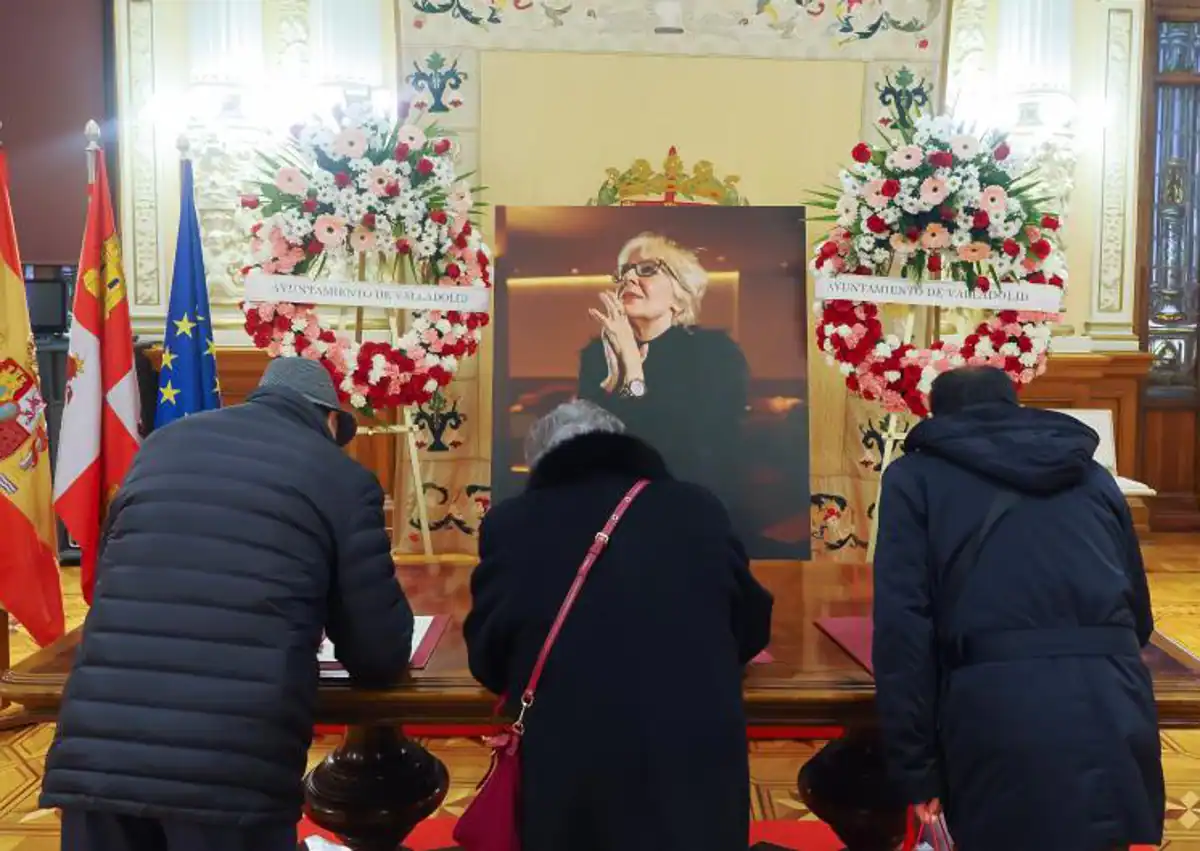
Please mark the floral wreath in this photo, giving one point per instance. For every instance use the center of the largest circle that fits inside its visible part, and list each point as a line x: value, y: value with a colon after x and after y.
x: 368, y: 187
x: 935, y: 202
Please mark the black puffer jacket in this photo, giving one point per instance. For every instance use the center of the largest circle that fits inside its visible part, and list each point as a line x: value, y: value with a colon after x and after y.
x: 238, y: 537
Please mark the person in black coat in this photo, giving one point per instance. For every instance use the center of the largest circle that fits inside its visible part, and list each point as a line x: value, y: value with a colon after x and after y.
x: 681, y: 388
x: 238, y: 538
x: 637, y: 739
x: 1011, y: 606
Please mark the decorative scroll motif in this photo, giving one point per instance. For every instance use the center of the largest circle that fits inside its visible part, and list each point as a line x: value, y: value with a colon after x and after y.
x: 1114, y: 184
x: 143, y: 167
x: 437, y: 418
x: 834, y: 526
x: 810, y: 29
x: 437, y: 83
x: 903, y: 97
x: 675, y: 184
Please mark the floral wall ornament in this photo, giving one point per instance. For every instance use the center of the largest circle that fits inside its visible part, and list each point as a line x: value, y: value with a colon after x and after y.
x: 462, y: 9
x: 440, y: 81
x: 437, y: 418
x: 903, y: 97
x: 675, y: 184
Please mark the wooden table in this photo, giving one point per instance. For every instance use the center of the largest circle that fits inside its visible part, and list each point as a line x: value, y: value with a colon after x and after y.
x: 378, y: 785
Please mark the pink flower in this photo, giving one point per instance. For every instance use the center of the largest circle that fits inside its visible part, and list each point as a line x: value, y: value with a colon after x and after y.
x: 933, y: 191
x: 330, y: 230
x: 994, y: 199
x: 902, y: 244
x: 362, y: 240
x: 350, y: 144
x: 266, y: 312
x: 291, y: 181
x: 838, y: 264
x: 964, y: 147
x: 378, y: 179
x: 893, y: 401
x: 459, y: 200
x: 285, y: 309
x: 935, y: 236
x: 411, y: 136
x: 274, y: 349
x: 906, y: 158
x: 311, y: 353
x: 1033, y: 233
x: 873, y: 194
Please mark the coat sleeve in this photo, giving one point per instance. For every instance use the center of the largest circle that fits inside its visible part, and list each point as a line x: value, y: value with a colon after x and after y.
x: 370, y: 622
x: 490, y: 627
x: 752, y: 610
x: 904, y: 649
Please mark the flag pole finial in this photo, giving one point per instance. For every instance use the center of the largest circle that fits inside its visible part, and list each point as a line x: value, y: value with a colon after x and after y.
x: 184, y: 146
x: 92, y: 131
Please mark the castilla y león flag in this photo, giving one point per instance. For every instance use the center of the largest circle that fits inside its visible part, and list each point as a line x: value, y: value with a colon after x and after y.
x: 29, y: 586
x: 99, y: 434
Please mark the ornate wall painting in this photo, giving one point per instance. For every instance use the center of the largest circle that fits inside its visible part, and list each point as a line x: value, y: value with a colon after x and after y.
x: 723, y: 397
x: 799, y: 29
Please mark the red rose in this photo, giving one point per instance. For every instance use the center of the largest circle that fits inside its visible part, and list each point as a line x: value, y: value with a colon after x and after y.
x: 1012, y: 363
x: 941, y: 159
x: 1011, y: 248
x: 425, y: 166
x: 983, y: 284
x: 403, y: 246
x: 309, y: 205
x: 934, y: 263
x: 342, y: 180
x: 913, y: 234
x: 1024, y: 344
x: 828, y: 249
x: 862, y: 270
x: 452, y: 271
x: 314, y: 246
x: 999, y: 337
x: 1041, y: 249
x: 861, y: 153
x: 466, y: 229
x: 392, y: 190
x: 1056, y: 281
x: 980, y: 220
x: 438, y: 217
x: 255, y: 228
x: 368, y: 221
x: 482, y: 259
x: 1036, y: 278
x: 948, y: 214
x: 246, y: 271
x: 1001, y: 152
x: 1050, y: 222
x: 250, y: 202
x: 401, y: 151
x: 890, y: 188
x: 461, y: 241
x: 876, y: 224
x: 441, y: 146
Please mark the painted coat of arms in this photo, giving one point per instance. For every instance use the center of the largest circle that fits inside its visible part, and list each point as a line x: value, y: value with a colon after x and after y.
x: 22, y: 424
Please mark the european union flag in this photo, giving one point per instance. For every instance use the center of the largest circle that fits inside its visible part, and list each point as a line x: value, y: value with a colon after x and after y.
x: 188, y: 380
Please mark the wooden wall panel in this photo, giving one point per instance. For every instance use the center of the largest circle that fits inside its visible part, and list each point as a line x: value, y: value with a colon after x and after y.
x: 1171, y: 449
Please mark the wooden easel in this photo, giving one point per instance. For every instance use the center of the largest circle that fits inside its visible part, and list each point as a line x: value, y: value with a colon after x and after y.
x: 895, y: 430
x: 407, y: 426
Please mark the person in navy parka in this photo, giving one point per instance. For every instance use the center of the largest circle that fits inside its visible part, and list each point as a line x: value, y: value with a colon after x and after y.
x: 1011, y: 606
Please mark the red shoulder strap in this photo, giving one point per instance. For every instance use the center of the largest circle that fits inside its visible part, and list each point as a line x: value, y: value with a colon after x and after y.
x: 593, y: 553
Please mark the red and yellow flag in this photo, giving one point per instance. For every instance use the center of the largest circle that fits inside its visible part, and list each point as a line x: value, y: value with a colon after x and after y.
x: 99, y: 434
x: 29, y: 586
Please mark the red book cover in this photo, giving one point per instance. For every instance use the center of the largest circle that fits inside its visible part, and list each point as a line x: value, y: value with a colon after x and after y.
x: 852, y: 635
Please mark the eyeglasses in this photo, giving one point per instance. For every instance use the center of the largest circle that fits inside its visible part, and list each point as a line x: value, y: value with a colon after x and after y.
x: 643, y: 269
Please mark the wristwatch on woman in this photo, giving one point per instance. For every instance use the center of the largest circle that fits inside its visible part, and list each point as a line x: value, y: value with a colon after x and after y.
x: 635, y: 388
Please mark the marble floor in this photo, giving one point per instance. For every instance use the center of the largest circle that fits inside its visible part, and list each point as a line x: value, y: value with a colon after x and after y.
x: 1173, y: 561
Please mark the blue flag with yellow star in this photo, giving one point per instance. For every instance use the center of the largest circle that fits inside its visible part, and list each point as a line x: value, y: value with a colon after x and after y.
x: 188, y: 381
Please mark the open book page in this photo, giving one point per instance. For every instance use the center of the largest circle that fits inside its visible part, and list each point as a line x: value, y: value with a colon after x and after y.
x: 327, y: 660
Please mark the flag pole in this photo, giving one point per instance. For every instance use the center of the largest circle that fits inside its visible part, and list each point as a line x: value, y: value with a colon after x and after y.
x: 92, y: 131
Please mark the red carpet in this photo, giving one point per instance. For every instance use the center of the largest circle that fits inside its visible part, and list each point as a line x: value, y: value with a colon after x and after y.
x: 435, y: 834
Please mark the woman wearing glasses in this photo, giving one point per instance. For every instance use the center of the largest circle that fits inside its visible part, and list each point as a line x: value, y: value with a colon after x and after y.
x: 677, y: 386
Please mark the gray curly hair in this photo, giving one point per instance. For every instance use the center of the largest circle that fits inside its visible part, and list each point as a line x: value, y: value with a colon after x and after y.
x: 570, y: 419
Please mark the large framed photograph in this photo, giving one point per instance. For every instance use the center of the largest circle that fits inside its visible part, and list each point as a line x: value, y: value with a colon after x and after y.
x: 708, y: 305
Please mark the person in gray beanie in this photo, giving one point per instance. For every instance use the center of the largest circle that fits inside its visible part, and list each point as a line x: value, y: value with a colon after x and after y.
x: 238, y: 539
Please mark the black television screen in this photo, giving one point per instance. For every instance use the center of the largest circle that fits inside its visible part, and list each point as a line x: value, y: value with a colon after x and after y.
x: 48, y: 292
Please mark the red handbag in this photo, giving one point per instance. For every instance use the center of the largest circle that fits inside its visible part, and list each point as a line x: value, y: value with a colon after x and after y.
x: 492, y: 821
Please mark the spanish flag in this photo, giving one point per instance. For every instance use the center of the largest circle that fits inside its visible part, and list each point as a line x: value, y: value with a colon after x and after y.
x: 29, y: 586
x: 99, y: 434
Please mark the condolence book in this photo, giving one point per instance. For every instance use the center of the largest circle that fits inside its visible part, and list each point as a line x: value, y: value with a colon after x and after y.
x: 427, y: 632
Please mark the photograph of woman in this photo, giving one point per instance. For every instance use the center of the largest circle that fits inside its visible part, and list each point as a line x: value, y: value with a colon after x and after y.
x: 684, y: 322
x: 680, y: 387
